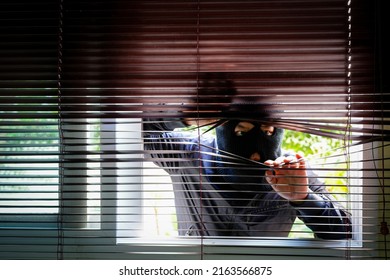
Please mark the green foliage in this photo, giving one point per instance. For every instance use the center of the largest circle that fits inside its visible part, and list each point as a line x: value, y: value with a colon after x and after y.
x: 310, y: 144
x: 20, y: 141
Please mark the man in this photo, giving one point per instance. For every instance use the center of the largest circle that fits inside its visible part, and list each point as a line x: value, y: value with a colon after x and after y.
x: 238, y: 183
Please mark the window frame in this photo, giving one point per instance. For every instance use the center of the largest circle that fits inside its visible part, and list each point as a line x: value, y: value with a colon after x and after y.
x: 355, y: 198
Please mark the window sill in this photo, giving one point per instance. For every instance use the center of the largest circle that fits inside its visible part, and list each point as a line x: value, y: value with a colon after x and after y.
x: 243, y: 242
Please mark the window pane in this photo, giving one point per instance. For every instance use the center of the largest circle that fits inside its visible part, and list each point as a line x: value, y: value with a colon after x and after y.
x: 29, y: 170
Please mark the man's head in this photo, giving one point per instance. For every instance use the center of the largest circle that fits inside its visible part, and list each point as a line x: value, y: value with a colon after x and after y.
x: 249, y: 140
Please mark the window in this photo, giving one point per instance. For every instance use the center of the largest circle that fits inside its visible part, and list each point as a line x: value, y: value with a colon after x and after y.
x: 29, y: 168
x: 79, y: 76
x: 157, y: 211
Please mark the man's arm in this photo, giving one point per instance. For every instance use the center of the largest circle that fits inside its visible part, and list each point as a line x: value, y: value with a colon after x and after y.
x: 315, y: 206
x: 324, y: 216
x: 166, y: 147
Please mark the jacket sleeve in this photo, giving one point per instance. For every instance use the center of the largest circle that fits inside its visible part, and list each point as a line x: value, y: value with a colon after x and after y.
x: 326, y: 217
x: 162, y: 145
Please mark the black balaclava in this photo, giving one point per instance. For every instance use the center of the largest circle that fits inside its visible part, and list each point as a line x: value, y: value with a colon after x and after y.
x: 242, y: 171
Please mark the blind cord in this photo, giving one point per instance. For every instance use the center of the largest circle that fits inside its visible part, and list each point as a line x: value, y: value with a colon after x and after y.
x: 60, y: 232
x: 198, y: 128
x: 348, y: 131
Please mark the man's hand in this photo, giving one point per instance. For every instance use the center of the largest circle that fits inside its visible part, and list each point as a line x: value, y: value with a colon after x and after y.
x: 288, y: 177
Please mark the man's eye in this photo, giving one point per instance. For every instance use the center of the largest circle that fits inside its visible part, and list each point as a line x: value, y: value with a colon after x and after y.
x: 268, y: 130
x: 240, y: 133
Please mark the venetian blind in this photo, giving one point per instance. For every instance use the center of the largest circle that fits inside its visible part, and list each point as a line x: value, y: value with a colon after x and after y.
x: 80, y: 80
